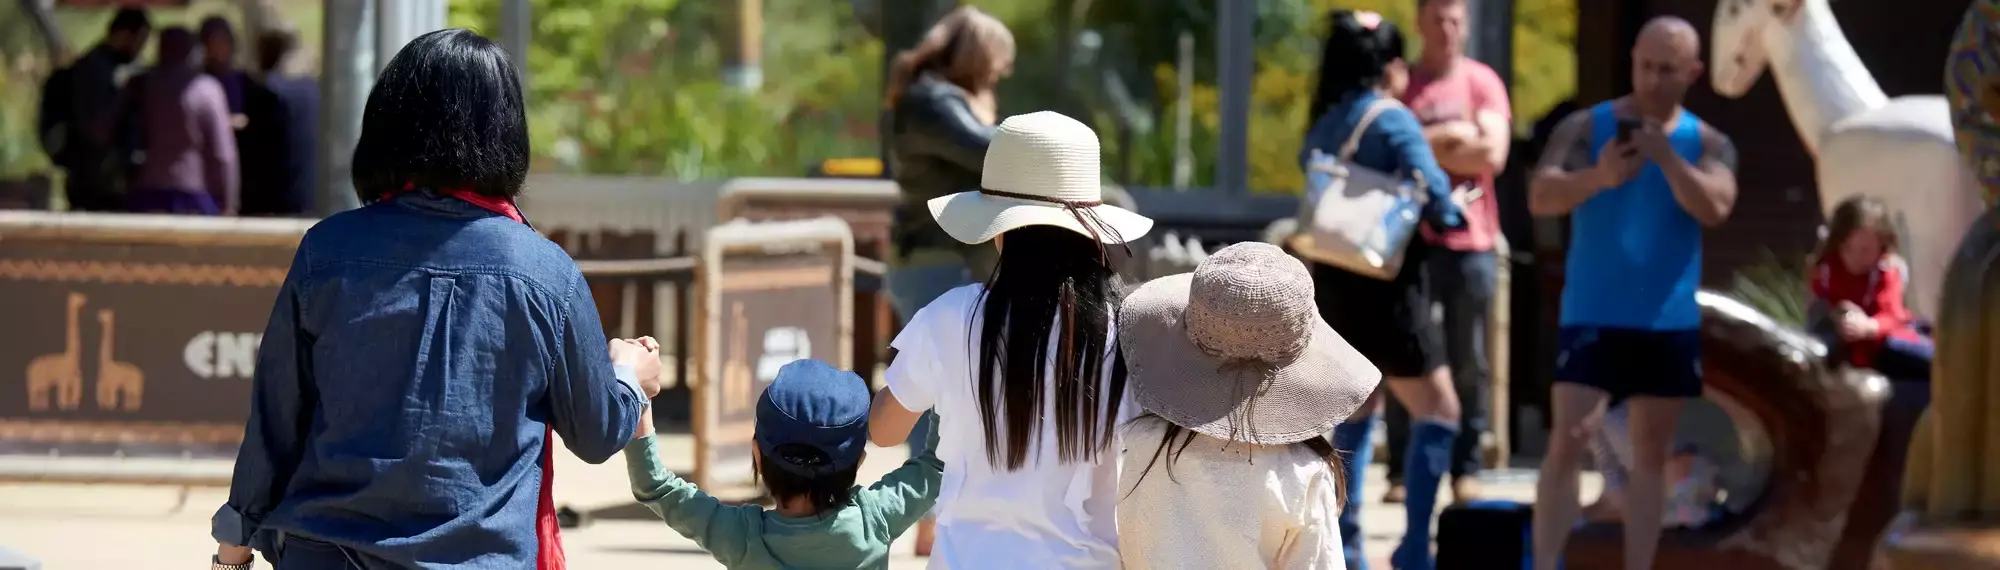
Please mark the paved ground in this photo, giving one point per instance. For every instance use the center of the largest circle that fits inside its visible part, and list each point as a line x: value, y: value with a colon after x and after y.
x: 88, y: 527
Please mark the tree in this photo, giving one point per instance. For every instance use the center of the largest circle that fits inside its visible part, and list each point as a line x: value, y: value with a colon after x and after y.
x: 634, y: 87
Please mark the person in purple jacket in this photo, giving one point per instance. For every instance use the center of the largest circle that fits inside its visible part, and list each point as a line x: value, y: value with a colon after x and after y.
x: 190, y: 151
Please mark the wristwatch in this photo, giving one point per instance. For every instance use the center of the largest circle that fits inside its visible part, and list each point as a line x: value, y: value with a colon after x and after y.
x: 215, y: 563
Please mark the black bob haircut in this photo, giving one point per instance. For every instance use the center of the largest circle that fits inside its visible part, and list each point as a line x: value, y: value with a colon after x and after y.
x: 1354, y: 58
x: 447, y: 113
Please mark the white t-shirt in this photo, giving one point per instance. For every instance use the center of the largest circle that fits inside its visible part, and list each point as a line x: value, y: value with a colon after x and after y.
x: 1046, y: 515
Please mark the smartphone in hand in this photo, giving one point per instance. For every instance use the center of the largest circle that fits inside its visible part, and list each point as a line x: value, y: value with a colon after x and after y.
x: 1625, y: 128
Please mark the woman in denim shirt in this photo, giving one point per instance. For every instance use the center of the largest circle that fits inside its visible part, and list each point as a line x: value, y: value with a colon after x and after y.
x: 425, y: 349
x: 1387, y: 321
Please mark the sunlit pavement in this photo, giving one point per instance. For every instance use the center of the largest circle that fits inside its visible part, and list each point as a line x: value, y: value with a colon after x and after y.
x: 89, y: 527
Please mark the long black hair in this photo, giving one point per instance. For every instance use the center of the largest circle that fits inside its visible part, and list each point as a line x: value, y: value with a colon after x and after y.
x: 446, y: 113
x: 1354, y: 58
x: 1051, y: 283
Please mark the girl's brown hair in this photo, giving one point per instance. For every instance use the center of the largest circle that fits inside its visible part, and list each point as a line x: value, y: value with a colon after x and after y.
x: 964, y: 47
x: 1319, y: 445
x: 1855, y: 214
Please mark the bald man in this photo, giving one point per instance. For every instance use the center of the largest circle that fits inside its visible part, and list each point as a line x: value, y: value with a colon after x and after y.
x: 1640, y: 177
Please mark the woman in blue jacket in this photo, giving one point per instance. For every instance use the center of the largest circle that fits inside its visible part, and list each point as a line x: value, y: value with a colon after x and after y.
x: 1387, y: 321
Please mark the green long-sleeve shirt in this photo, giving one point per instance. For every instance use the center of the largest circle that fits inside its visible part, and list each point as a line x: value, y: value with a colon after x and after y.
x: 749, y: 537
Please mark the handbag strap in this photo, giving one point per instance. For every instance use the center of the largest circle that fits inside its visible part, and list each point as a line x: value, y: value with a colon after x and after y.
x: 1375, y: 109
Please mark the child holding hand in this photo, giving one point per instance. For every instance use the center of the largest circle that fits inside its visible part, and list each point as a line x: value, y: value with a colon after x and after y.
x: 812, y: 426
x: 1859, y: 281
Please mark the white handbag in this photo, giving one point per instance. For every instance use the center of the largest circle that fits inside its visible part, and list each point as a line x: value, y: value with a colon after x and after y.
x: 1355, y: 217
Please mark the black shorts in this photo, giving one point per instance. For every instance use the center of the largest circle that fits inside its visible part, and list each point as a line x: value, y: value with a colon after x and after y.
x: 1389, y: 322
x: 1631, y: 362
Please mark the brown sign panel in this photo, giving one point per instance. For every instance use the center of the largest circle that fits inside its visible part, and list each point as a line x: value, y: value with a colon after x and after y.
x: 124, y: 341
x: 769, y: 293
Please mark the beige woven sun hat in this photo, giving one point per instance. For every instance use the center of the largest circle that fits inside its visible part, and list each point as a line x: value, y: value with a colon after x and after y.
x: 1042, y: 169
x: 1237, y: 350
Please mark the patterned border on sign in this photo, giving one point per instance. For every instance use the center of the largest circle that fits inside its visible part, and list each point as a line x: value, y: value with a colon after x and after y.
x: 114, y: 272
x: 59, y: 431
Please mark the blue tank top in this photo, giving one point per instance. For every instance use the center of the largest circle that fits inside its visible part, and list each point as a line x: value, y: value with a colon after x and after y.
x: 1635, y: 253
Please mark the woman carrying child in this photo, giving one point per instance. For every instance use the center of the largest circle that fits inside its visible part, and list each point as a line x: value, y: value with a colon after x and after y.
x: 1858, y: 282
x: 1240, y: 379
x: 1020, y: 369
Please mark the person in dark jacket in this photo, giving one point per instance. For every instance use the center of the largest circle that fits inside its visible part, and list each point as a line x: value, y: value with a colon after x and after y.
x: 942, y: 113
x: 426, y: 349
x: 280, y: 141
x: 91, y: 153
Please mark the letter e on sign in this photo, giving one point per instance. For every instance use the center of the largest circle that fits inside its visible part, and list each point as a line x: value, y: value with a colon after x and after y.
x: 213, y: 354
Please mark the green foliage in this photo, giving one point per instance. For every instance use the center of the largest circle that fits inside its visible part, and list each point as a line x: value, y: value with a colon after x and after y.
x: 1288, y: 36
x: 636, y: 87
x: 1776, y: 288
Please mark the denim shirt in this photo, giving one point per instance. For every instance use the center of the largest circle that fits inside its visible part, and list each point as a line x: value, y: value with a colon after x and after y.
x: 418, y: 353
x: 1394, y: 143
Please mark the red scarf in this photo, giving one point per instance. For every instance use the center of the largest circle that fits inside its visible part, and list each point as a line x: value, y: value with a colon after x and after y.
x: 548, y: 532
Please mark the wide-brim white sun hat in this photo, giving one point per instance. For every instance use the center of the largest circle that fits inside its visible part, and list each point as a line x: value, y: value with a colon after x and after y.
x: 1042, y: 169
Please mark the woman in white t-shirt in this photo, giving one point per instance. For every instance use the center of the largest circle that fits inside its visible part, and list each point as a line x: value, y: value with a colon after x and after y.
x: 1021, y: 370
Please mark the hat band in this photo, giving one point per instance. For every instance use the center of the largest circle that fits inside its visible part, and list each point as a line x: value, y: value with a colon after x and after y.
x: 1081, y: 210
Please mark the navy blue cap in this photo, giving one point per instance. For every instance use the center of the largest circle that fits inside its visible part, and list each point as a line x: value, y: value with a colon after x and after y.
x: 812, y: 403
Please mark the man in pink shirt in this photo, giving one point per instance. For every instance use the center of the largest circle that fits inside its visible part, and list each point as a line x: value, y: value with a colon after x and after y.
x: 1467, y: 119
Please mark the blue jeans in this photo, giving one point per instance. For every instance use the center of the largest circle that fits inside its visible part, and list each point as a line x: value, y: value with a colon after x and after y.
x: 1904, y: 359
x: 1464, y: 283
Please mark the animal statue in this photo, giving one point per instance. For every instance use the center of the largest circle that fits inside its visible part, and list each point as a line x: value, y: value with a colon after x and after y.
x: 119, y: 384
x: 59, y: 374
x: 1951, y: 490
x: 1899, y: 149
x: 1821, y: 422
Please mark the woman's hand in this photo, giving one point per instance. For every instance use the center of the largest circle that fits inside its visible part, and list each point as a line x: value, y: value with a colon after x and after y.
x: 231, y: 555
x: 643, y: 355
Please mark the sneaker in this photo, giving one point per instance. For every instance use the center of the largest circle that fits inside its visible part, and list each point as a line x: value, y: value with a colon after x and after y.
x: 1465, y: 490
x: 1395, y: 494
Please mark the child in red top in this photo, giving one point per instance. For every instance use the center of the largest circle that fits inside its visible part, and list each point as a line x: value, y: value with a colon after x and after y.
x: 1860, y: 280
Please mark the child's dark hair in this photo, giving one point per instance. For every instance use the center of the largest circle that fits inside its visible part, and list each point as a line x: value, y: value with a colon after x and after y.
x: 1856, y: 214
x: 826, y: 492
x: 1319, y: 445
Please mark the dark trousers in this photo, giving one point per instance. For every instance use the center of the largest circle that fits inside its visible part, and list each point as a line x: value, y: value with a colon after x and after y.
x: 92, y: 185
x: 1905, y: 359
x: 1463, y: 282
